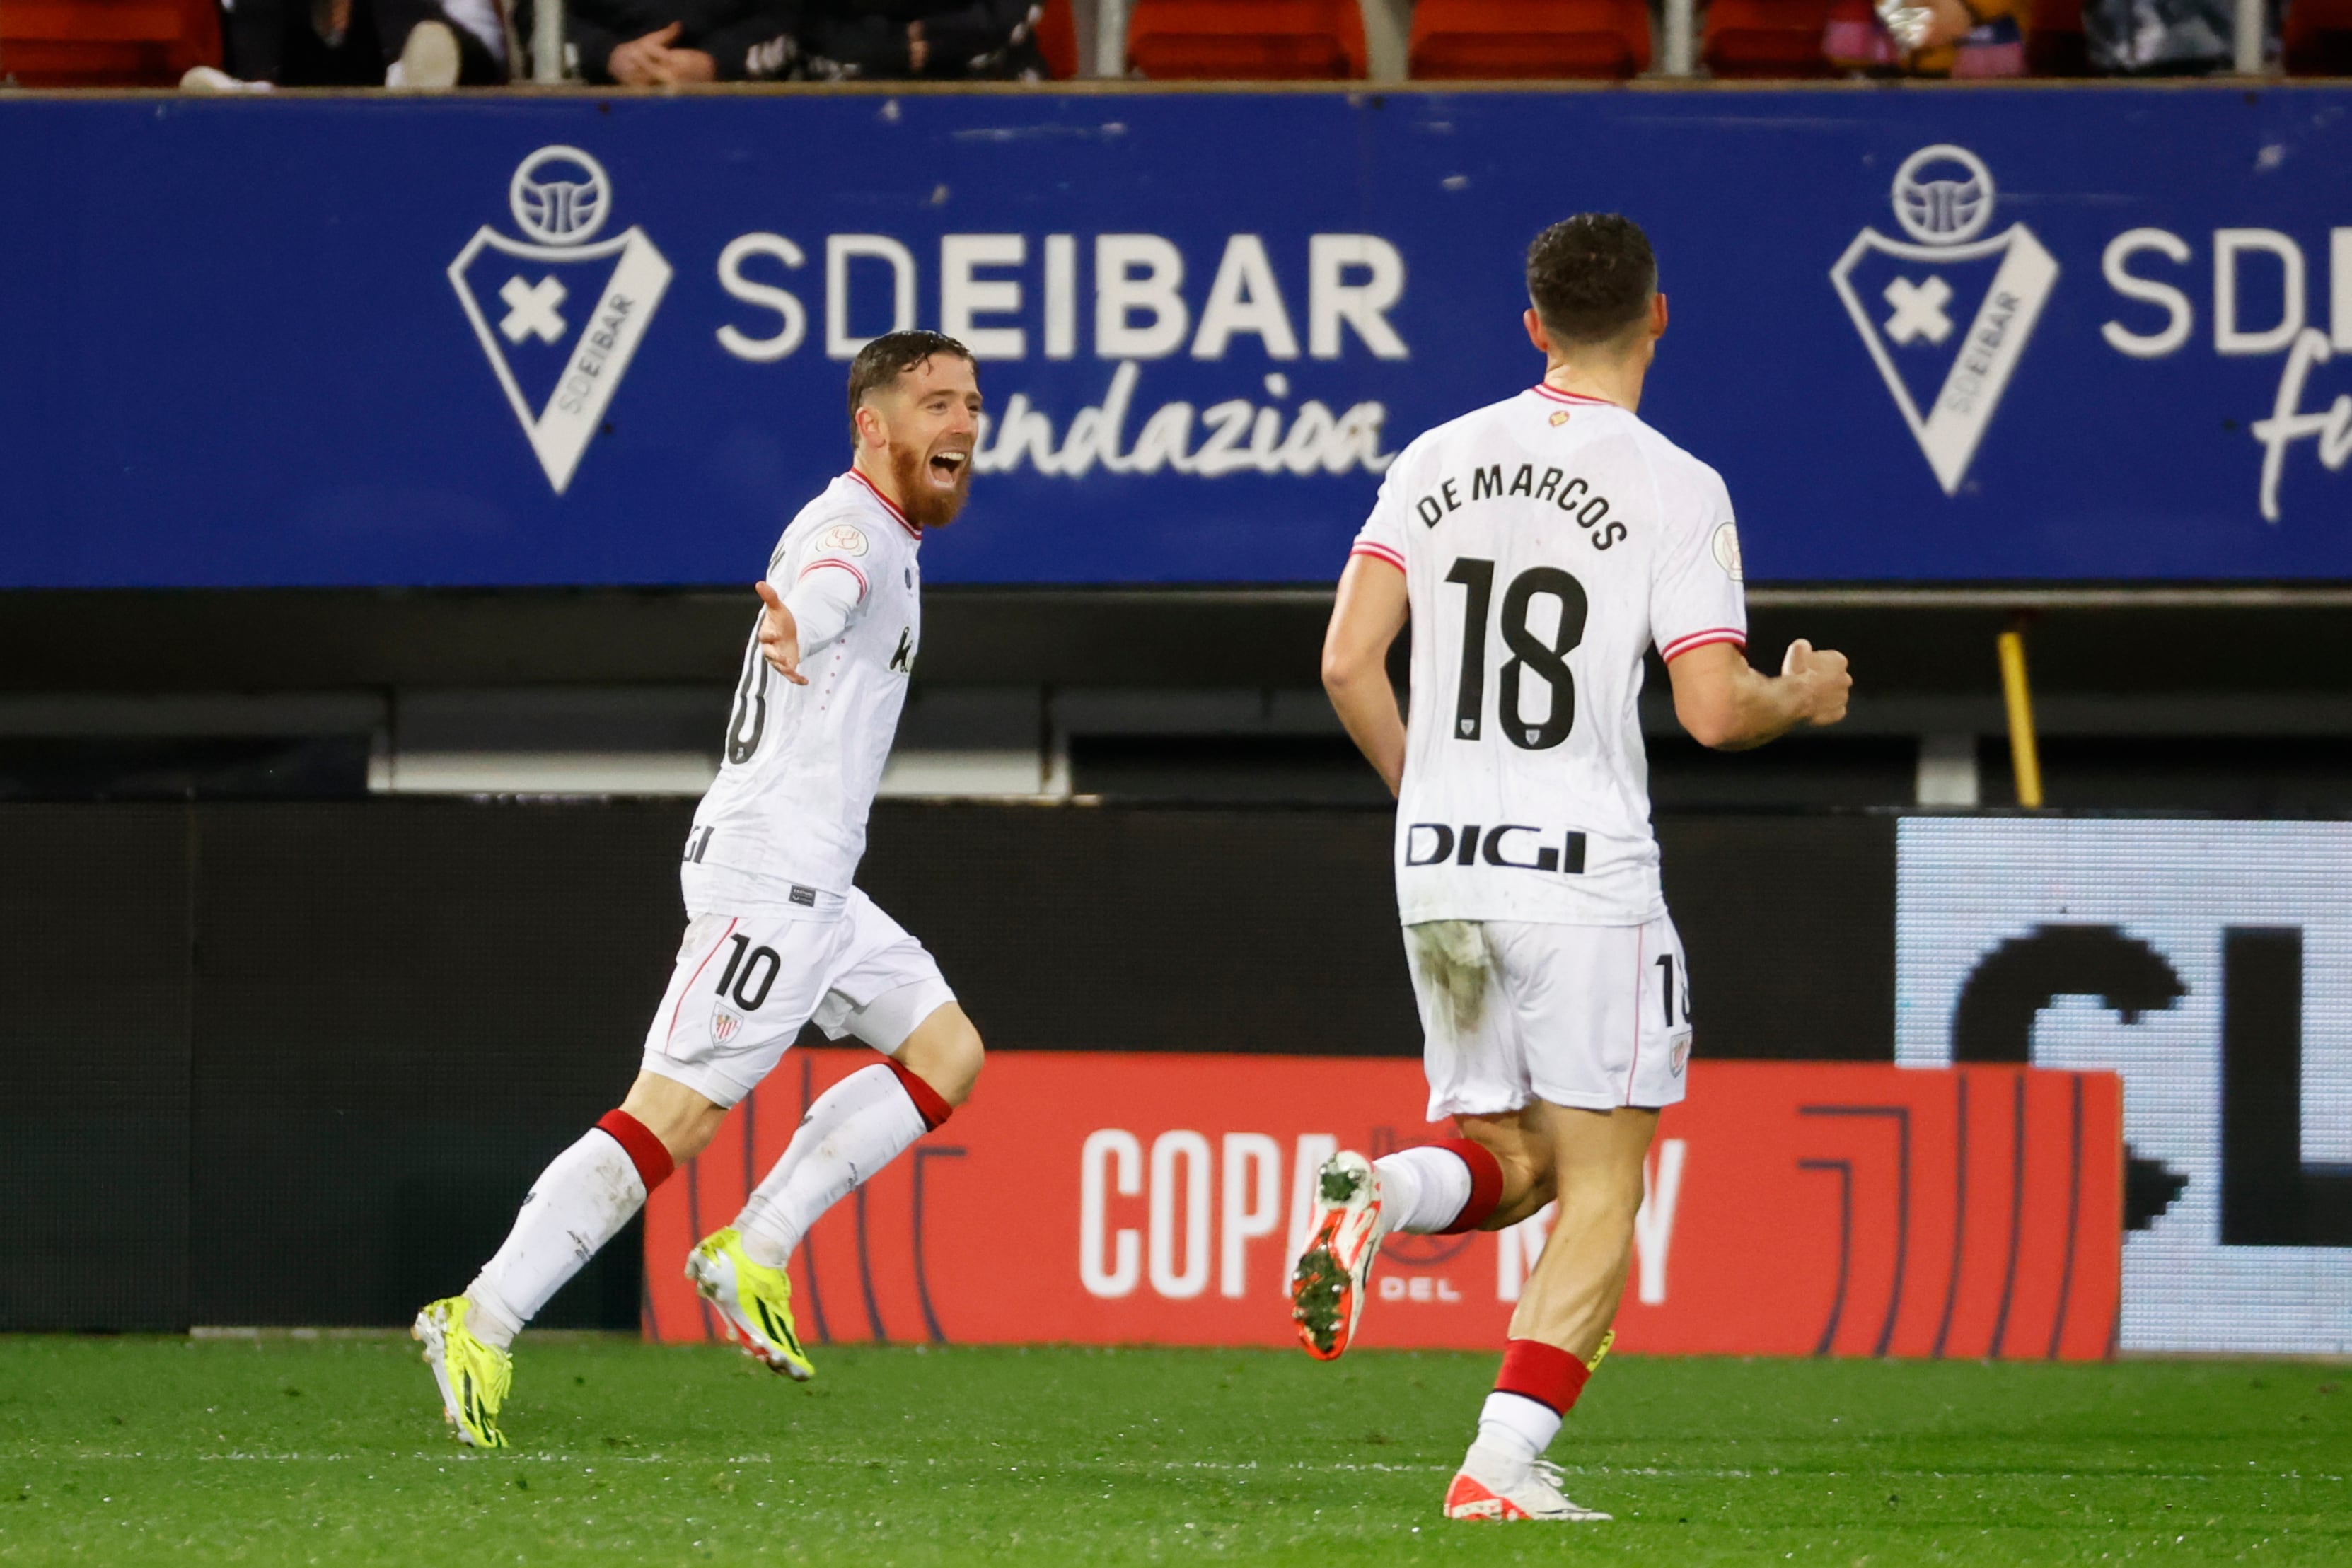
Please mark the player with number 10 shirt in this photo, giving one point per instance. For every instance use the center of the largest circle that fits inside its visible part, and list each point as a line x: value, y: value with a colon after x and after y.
x: 1540, y: 547
x: 777, y: 934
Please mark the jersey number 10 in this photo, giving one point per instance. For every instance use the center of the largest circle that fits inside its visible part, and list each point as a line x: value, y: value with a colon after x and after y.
x: 1530, y: 655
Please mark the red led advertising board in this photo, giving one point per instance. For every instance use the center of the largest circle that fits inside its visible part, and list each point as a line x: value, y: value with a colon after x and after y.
x: 1795, y: 1208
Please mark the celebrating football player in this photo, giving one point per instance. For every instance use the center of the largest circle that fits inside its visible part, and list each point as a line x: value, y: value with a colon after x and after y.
x: 777, y: 932
x: 1540, y: 544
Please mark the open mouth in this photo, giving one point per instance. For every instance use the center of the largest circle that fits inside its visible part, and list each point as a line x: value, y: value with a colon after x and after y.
x: 947, y: 467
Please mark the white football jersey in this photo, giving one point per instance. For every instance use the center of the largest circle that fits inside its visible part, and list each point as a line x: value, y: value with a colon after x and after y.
x: 1547, y: 541
x: 790, y: 804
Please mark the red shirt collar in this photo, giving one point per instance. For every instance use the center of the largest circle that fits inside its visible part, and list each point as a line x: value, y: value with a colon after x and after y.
x: 889, y: 505
x: 1557, y: 395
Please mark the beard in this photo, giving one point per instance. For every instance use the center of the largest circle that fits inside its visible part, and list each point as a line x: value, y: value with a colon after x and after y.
x: 927, y: 506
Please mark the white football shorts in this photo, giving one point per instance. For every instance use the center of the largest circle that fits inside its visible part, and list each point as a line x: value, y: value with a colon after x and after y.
x: 1588, y: 1015
x: 746, y: 984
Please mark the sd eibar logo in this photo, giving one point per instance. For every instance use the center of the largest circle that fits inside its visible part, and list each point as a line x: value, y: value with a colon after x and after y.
x: 560, y: 347
x: 1959, y: 309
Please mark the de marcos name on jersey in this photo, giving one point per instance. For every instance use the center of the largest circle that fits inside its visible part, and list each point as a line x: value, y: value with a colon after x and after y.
x: 1573, y: 495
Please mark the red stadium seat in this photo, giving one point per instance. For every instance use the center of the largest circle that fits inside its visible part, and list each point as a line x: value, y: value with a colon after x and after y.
x: 1766, y: 38
x: 1254, y: 40
x: 2056, y: 47
x: 1057, y: 40
x: 106, y: 43
x: 1518, y: 39
x: 2318, y: 37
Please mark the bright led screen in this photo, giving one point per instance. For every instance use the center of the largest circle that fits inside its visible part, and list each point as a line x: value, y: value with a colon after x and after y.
x: 2210, y: 965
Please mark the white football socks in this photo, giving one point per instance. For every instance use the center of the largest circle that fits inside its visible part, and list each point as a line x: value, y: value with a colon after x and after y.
x: 853, y: 1129
x: 1517, y: 1425
x: 579, y: 1203
x: 1422, y: 1190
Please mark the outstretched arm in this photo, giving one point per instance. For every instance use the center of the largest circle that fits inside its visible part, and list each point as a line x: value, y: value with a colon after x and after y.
x: 780, y: 634
x: 1730, y: 705
x: 1369, y: 613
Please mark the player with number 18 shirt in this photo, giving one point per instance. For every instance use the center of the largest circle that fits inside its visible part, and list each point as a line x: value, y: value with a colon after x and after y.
x: 1567, y: 537
x: 1540, y: 547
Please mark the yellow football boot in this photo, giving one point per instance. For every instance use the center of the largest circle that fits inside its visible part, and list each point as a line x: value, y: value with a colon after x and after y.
x: 474, y: 1376
x: 754, y: 1301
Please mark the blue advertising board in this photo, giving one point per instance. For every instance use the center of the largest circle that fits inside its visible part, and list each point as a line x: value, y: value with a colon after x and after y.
x: 2076, y: 333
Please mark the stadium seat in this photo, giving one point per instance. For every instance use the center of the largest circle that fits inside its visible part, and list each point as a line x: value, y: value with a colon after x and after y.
x: 2318, y: 37
x: 1256, y: 40
x: 106, y: 43
x: 2056, y: 47
x: 1766, y: 38
x: 1057, y: 40
x: 1516, y: 39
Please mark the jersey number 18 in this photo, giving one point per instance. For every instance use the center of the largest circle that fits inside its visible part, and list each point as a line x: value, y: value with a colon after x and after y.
x: 1530, y: 655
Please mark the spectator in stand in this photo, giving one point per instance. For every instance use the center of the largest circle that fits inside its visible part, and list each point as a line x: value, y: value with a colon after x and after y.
x: 2168, y: 37
x: 1963, y: 39
x: 359, y: 43
x: 953, y: 40
x: 674, y: 43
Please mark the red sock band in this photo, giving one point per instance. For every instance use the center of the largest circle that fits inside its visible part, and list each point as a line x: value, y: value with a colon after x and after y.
x: 926, y: 1100
x: 1485, y: 1184
x: 1543, y: 1373
x: 644, y: 1151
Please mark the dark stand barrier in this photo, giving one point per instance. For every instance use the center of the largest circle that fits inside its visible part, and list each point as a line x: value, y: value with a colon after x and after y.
x: 94, y: 1066
x: 297, y: 1063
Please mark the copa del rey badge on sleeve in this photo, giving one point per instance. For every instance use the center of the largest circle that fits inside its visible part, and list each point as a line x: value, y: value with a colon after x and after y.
x: 560, y: 312
x: 1946, y: 318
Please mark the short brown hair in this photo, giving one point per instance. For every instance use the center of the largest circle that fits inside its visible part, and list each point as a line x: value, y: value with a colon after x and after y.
x: 892, y: 355
x: 1590, y: 276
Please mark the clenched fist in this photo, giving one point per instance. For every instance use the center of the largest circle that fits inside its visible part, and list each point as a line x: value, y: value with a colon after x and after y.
x: 1821, y: 673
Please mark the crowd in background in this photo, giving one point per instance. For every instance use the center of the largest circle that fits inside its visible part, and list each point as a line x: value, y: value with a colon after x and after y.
x: 1988, y: 38
x: 635, y: 43
x: 250, y: 45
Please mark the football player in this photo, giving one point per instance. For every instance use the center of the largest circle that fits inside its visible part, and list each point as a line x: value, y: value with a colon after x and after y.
x: 1540, y: 545
x: 777, y: 932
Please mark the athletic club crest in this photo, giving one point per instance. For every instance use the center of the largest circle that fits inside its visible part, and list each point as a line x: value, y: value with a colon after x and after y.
x: 560, y: 312
x: 1946, y: 318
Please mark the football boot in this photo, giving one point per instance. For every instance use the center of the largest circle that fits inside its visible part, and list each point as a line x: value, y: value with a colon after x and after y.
x: 754, y: 1301
x: 474, y: 1376
x: 1332, y: 1275
x: 1492, y: 1486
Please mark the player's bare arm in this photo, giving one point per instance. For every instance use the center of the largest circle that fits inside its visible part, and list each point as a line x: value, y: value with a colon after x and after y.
x: 1727, y: 704
x: 1365, y: 620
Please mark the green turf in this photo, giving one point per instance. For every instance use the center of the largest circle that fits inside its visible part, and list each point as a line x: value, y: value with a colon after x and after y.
x: 138, y: 1451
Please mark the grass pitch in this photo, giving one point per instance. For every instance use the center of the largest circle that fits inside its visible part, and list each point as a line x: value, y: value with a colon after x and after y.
x: 283, y: 1451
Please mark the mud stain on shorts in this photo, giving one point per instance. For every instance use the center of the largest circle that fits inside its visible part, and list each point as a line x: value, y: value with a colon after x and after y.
x: 1455, y: 966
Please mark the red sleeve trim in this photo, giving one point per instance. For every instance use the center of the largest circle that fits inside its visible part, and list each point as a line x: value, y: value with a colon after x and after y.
x: 1377, y: 552
x: 824, y: 560
x: 1680, y: 646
